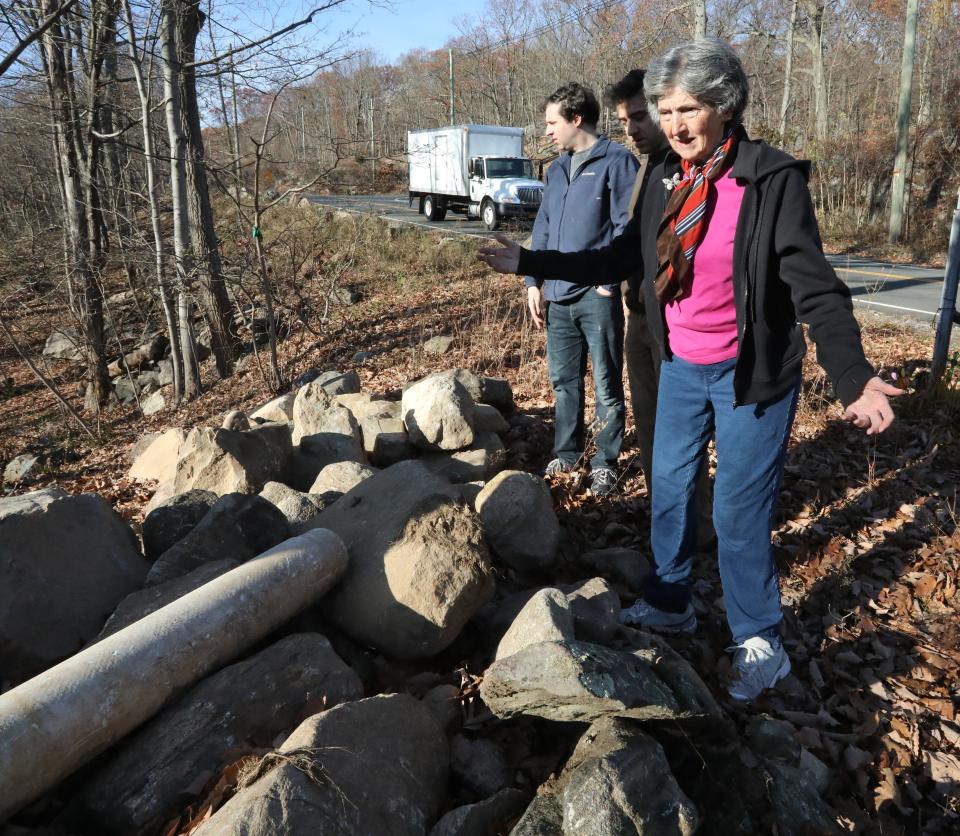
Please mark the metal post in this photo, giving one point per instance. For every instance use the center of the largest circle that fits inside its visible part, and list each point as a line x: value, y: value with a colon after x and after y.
x: 373, y: 157
x: 450, y: 58
x: 948, y: 301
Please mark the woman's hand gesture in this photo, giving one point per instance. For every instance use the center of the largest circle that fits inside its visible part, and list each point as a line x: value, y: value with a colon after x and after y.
x: 505, y: 259
x: 872, y: 411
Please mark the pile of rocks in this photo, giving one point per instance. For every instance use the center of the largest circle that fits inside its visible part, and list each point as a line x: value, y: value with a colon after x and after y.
x: 286, y: 643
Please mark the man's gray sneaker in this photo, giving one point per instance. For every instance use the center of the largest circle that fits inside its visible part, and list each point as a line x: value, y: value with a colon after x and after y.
x: 644, y: 615
x: 603, y: 480
x: 557, y: 466
x: 759, y: 664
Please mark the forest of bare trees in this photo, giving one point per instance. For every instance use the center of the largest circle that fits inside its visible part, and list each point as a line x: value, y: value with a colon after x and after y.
x: 123, y: 124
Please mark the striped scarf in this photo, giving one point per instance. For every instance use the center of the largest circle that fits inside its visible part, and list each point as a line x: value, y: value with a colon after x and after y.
x: 684, y: 223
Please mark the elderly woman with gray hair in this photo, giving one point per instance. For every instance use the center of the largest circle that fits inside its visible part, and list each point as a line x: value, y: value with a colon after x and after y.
x: 731, y: 264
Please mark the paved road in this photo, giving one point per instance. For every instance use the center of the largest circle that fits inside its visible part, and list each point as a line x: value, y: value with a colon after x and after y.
x: 897, y: 289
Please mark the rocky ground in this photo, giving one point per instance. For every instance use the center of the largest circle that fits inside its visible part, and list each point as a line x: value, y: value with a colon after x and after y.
x: 866, y: 537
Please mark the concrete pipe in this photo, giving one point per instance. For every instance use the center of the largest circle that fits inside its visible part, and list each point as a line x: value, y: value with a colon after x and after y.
x: 57, y: 721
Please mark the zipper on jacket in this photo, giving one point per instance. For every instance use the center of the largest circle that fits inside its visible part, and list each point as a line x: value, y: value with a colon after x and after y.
x: 747, y: 313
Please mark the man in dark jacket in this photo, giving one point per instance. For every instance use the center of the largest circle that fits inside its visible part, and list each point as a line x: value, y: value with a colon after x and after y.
x: 586, y: 204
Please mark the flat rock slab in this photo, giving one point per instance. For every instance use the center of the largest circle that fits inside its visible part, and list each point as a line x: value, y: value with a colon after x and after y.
x: 65, y: 564
x: 375, y: 767
x: 244, y: 707
x: 573, y: 681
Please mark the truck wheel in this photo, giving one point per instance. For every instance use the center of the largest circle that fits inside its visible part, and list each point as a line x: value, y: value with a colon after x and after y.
x: 488, y: 214
x: 432, y: 210
x: 420, y: 205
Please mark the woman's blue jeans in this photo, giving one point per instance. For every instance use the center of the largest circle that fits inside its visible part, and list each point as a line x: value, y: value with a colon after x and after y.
x: 592, y: 323
x: 695, y: 402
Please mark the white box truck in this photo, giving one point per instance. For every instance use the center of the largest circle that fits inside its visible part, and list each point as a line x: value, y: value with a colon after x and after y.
x: 476, y: 170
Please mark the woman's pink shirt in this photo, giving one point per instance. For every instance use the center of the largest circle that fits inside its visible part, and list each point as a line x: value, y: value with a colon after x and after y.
x: 703, y: 327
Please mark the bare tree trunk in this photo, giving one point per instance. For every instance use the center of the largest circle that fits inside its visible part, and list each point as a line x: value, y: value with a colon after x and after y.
x: 178, y: 192
x: 153, y: 197
x: 210, y: 288
x: 699, y: 19
x: 787, y: 74
x: 898, y: 184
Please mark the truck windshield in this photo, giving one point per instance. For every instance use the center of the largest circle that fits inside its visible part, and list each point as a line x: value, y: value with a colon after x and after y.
x: 509, y: 168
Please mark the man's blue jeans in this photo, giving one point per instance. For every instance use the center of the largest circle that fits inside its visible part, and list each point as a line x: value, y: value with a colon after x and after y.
x: 694, y: 402
x: 592, y: 323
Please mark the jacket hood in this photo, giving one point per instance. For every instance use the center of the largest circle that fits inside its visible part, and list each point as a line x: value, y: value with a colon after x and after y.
x: 753, y: 161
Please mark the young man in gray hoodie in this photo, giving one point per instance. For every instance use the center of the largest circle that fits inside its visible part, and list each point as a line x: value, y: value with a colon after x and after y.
x: 586, y: 204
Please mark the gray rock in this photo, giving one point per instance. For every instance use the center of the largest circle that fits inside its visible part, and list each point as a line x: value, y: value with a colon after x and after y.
x: 339, y: 383
x: 618, y: 780
x: 20, y: 468
x: 141, y: 603
x: 596, y: 610
x: 444, y: 701
x: 546, y: 617
x: 394, y: 738
x: 241, y: 708
x: 385, y: 440
x: 126, y: 389
x: 516, y: 510
x: 225, y: 462
x: 165, y: 372
x: 627, y: 566
x: 484, y: 817
x: 309, y: 406
x: 238, y: 526
x: 279, y: 410
x: 316, y: 451
x: 362, y: 356
x: 65, y: 564
x: 489, y: 418
x: 542, y: 818
x: 364, y: 405
x: 438, y: 345
x: 479, y: 765
x: 341, y: 477
x: 438, y: 414
x: 153, y: 404
x: 481, y: 461
x: 296, y: 506
x: 497, y: 392
x: 580, y: 682
x: 235, y: 421
x: 418, y: 566
x: 174, y: 519
x: 64, y: 344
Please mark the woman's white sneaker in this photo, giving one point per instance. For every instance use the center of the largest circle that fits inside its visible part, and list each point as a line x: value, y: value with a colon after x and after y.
x: 642, y: 614
x: 759, y: 664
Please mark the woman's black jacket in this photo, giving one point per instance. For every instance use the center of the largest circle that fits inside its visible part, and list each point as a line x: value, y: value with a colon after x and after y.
x: 780, y: 276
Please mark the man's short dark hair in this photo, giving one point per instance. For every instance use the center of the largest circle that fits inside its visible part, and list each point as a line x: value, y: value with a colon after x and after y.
x: 573, y: 99
x: 626, y: 88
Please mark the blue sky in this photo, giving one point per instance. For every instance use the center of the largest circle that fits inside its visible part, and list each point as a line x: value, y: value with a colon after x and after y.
x: 389, y: 27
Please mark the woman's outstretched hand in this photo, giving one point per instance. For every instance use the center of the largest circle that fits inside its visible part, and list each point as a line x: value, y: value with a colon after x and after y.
x: 505, y: 259
x: 872, y: 411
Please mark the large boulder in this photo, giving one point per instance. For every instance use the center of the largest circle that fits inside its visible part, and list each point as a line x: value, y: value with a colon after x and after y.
x: 314, y: 411
x: 596, y: 610
x: 225, y: 462
x: 375, y: 767
x: 618, y: 780
x: 479, y: 765
x: 418, y: 566
x: 516, y: 510
x: 438, y: 413
x: 238, y: 526
x: 173, y: 519
x: 573, y: 681
x: 64, y: 344
x: 339, y: 383
x: 241, y: 708
x: 65, y: 564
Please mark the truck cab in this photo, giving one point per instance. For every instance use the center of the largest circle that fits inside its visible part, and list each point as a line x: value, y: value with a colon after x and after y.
x: 503, y: 187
